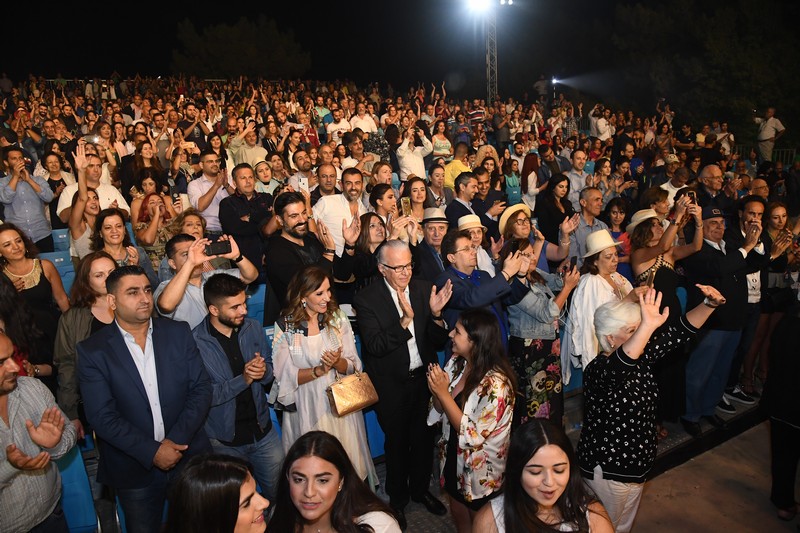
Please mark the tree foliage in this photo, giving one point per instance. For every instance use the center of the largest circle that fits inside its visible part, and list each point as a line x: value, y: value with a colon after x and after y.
x: 719, y: 59
x: 248, y: 47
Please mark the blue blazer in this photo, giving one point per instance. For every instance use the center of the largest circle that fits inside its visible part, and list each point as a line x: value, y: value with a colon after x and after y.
x: 495, y: 292
x: 117, y: 408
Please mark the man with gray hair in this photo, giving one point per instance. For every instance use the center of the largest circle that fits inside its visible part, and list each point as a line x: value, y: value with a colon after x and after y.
x: 402, y: 328
x: 591, y: 203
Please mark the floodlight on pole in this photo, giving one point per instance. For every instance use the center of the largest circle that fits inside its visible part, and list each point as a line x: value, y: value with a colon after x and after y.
x: 487, y: 9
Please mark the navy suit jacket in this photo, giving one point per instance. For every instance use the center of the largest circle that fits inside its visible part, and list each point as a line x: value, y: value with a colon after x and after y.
x: 457, y: 210
x: 491, y: 291
x: 117, y: 408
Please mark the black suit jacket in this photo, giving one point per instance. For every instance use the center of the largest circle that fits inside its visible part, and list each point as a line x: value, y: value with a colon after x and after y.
x: 425, y: 264
x: 384, y: 347
x: 118, y: 409
x: 457, y: 210
x: 728, y: 274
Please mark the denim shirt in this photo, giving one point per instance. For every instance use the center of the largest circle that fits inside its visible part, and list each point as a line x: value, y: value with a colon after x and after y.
x: 533, y: 316
x: 221, y: 421
x: 25, y: 207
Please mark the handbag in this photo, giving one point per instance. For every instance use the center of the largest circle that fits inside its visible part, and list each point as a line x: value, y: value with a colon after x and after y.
x: 351, y: 393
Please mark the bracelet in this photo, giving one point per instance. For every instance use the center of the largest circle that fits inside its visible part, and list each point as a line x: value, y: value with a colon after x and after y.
x: 506, y: 274
x: 437, y: 317
x: 330, y: 251
x: 349, y: 246
x: 707, y: 303
x: 566, y: 243
x: 522, y: 276
x: 239, y: 259
x: 314, y: 372
x: 36, y: 370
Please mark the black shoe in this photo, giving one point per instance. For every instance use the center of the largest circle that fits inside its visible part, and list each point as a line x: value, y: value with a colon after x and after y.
x: 692, y: 428
x: 716, y: 421
x: 400, y: 515
x: 724, y: 406
x: 431, y: 503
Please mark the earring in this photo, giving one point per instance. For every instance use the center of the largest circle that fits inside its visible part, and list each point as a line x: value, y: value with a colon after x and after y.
x: 303, y: 302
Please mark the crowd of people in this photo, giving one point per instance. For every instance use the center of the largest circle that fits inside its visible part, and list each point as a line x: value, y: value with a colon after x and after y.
x: 386, y: 229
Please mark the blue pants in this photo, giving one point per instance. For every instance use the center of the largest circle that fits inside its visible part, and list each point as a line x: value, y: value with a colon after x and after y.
x: 707, y: 372
x: 266, y: 457
x: 144, y: 507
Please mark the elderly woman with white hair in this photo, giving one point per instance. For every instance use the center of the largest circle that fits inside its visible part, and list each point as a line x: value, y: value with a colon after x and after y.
x: 618, y: 442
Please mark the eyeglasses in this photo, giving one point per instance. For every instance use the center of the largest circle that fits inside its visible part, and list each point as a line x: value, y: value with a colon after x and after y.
x: 471, y: 248
x: 401, y: 269
x: 522, y: 221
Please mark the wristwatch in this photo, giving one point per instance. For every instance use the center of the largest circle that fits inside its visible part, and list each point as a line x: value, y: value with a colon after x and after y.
x: 239, y: 259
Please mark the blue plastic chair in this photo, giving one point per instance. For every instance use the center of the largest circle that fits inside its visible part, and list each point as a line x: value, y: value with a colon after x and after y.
x: 61, y: 239
x: 255, y: 302
x: 76, y: 493
x: 63, y: 263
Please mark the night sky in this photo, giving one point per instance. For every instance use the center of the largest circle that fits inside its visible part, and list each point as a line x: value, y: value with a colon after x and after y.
x: 389, y: 41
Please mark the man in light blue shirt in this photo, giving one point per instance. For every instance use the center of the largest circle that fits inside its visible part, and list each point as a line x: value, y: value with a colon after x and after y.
x: 577, y: 178
x: 24, y: 197
x: 591, y: 203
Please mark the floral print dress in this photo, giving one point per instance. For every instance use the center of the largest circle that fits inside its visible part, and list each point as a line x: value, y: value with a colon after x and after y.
x: 483, y: 436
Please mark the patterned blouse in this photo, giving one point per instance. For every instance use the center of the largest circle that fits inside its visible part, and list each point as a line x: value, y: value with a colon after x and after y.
x: 621, y: 395
x: 483, y: 436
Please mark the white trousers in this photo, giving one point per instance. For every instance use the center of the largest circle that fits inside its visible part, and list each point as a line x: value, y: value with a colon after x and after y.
x: 621, y: 500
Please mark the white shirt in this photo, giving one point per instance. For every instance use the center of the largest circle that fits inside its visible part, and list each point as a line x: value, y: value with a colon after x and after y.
x: 198, y: 188
x: 106, y: 192
x: 366, y: 123
x: 415, y: 360
x: 768, y: 127
x: 411, y: 161
x: 336, y: 129
x: 331, y: 210
x: 145, y: 362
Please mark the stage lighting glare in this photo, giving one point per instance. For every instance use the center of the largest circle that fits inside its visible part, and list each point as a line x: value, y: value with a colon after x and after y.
x: 478, y: 6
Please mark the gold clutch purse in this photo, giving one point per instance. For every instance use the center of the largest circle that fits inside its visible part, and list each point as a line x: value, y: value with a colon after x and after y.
x: 351, y: 393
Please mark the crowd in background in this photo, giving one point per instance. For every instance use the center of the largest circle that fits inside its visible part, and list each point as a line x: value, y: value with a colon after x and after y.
x: 530, y: 241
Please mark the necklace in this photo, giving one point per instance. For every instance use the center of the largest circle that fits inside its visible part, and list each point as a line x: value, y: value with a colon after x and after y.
x: 31, y: 279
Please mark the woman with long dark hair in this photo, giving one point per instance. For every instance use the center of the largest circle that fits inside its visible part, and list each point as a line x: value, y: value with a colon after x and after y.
x: 319, y: 490
x: 544, y: 490
x: 89, y: 313
x: 313, y: 344
x: 473, y: 397
x: 216, y: 494
x: 552, y: 206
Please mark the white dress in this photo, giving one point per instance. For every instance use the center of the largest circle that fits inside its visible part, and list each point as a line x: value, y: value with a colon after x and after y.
x: 313, y: 410
x: 579, y: 345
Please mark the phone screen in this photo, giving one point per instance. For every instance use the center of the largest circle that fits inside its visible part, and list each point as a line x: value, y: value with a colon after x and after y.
x: 405, y: 205
x: 573, y: 262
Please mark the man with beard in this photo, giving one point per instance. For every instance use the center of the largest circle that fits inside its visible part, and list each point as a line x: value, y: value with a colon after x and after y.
x: 297, y: 246
x: 238, y: 359
x: 302, y: 162
x: 31, y: 482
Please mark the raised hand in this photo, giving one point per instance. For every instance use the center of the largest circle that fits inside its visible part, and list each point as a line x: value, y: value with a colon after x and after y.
x: 79, y: 155
x: 351, y: 231
x: 513, y: 264
x: 439, y: 298
x: 714, y: 296
x: 495, y: 247
x: 324, y: 236
x: 650, y: 303
x: 569, y: 225
x: 48, y: 433
x: 438, y: 383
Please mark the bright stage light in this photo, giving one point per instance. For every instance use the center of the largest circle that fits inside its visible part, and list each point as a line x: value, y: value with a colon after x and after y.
x: 478, y: 6
x: 554, y: 80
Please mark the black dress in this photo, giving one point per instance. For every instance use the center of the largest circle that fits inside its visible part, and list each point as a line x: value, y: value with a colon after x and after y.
x: 669, y: 371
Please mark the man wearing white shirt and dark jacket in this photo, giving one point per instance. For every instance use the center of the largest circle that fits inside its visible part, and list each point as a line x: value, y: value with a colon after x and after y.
x: 724, y: 267
x: 401, y: 327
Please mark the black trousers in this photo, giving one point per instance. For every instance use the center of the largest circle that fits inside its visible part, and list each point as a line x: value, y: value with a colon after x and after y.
x: 409, y: 440
x: 785, y: 445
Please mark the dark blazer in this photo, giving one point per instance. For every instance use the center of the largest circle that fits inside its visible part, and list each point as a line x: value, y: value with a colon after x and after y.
x: 491, y: 291
x: 728, y: 274
x: 425, y: 264
x: 117, y: 408
x: 384, y: 347
x: 457, y: 210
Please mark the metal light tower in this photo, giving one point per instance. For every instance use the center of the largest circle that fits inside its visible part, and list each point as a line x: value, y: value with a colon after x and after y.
x: 491, y: 54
